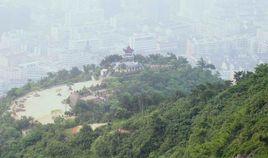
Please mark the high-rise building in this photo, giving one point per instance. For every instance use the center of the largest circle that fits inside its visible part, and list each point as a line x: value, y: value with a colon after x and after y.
x: 192, y: 8
x: 144, y: 43
x: 262, y: 42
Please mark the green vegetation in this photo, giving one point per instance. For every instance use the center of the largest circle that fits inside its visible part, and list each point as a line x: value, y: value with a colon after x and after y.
x: 215, y: 120
x: 57, y: 78
x: 173, y: 111
x: 136, y: 92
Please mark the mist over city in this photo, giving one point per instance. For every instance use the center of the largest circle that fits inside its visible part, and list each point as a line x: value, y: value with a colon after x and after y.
x: 133, y: 78
x: 45, y: 36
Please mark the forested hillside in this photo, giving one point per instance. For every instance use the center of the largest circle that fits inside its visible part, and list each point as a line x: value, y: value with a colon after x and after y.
x: 177, y: 111
x: 215, y: 120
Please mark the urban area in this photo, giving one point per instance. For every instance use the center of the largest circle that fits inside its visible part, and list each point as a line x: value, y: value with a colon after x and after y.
x: 61, y: 34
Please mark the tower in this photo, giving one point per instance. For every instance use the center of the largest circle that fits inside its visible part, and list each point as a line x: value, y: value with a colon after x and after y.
x: 128, y: 56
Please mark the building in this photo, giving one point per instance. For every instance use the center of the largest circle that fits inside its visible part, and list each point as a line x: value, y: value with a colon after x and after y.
x: 32, y: 70
x: 104, y: 72
x: 168, y: 46
x: 1, y: 88
x: 262, y: 44
x: 128, y: 64
x: 144, y: 43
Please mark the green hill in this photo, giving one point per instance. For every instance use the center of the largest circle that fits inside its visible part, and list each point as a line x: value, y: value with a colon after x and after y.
x: 214, y: 121
x: 179, y: 112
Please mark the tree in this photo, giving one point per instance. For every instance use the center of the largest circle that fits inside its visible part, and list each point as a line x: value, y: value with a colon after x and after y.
x: 201, y: 63
x: 24, y: 123
x: 180, y: 62
x: 80, y: 107
x: 238, y: 76
x: 140, y: 58
x: 63, y: 75
x: 204, y: 65
x: 31, y: 138
x: 75, y: 72
x: 86, y: 69
x: 106, y: 63
x: 50, y: 75
x: 179, y: 94
x: 58, y: 149
x: 211, y: 66
x: 85, y: 137
x: 171, y: 57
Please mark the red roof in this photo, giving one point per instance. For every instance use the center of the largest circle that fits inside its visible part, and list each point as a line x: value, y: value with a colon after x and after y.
x: 128, y: 50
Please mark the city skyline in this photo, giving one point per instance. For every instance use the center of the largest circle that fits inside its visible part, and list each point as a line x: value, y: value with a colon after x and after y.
x: 45, y: 36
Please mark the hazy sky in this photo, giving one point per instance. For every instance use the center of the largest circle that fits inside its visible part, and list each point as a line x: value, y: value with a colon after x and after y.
x: 15, y: 13
x: 43, y: 27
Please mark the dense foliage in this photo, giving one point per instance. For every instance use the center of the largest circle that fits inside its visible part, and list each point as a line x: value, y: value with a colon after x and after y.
x: 132, y: 93
x: 173, y: 111
x: 216, y: 120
